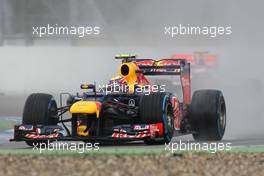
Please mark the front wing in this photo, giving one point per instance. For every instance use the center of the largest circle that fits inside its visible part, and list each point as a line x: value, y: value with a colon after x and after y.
x: 122, y: 133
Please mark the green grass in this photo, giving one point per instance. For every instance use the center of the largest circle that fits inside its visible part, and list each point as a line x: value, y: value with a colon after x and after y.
x: 120, y: 151
x: 248, y: 149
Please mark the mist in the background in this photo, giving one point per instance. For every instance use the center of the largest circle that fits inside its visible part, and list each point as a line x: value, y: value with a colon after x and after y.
x: 59, y: 64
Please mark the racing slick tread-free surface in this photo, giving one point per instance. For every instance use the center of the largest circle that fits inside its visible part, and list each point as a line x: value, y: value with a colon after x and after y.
x: 40, y: 109
x: 151, y: 107
x: 152, y: 111
x: 205, y: 111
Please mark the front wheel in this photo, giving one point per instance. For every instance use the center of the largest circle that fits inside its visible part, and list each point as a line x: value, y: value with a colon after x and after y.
x: 157, y: 108
x: 40, y: 109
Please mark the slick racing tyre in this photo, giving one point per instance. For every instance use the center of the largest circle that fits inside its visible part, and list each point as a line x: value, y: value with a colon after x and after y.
x: 39, y: 109
x: 157, y: 108
x: 208, y: 115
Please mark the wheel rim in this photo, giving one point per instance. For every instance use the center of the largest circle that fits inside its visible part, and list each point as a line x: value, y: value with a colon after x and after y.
x: 222, y: 116
x: 169, y: 117
x: 52, y: 111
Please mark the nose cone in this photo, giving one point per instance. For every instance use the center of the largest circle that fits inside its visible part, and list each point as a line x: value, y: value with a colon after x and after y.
x: 86, y: 107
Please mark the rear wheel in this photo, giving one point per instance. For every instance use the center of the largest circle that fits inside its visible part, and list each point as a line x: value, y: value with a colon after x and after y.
x: 208, y: 114
x: 40, y: 109
x: 157, y: 108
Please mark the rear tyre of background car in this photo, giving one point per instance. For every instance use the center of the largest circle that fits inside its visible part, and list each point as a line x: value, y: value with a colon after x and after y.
x: 40, y: 109
x: 157, y: 108
x: 208, y: 115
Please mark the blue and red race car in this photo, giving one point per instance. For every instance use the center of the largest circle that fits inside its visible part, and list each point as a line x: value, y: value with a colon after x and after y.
x: 128, y: 108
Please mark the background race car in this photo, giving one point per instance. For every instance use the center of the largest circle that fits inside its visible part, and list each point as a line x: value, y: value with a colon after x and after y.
x: 201, y: 61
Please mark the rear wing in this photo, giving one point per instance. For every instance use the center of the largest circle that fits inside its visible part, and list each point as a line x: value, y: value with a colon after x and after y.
x: 162, y: 67
x: 169, y: 67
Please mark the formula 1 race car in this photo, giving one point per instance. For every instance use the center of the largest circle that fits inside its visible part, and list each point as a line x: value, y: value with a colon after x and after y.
x: 128, y: 108
x: 201, y: 61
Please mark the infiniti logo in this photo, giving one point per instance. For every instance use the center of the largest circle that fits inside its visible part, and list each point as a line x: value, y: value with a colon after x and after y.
x: 131, y: 102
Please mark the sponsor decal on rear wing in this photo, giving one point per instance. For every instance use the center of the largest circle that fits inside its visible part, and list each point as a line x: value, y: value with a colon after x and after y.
x: 160, y: 70
x: 161, y: 67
